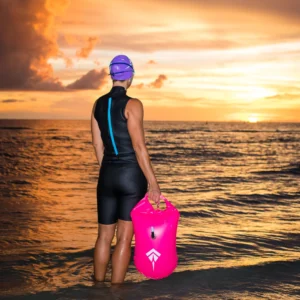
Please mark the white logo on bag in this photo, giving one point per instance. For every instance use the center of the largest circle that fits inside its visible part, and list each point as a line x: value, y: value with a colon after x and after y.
x: 153, y: 256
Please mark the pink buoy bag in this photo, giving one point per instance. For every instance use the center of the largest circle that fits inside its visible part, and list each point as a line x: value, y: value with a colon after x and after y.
x: 155, y: 253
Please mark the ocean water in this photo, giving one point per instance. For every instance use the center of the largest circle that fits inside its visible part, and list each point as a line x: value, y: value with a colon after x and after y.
x: 236, y: 185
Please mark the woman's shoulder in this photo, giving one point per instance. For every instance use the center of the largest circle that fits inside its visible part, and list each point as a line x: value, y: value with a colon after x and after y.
x: 134, y: 107
x: 135, y: 102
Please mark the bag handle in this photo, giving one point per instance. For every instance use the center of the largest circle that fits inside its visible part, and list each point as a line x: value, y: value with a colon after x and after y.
x: 168, y: 203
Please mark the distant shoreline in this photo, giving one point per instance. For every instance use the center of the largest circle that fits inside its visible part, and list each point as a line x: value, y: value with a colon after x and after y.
x: 183, y: 121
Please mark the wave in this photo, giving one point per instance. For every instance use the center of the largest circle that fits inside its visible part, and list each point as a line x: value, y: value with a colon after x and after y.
x: 52, y: 129
x: 61, y: 138
x: 196, y: 214
x: 21, y: 182
x: 192, y: 248
x: 190, y: 155
x: 265, y: 141
x: 177, y: 130
x: 286, y: 140
x: 188, y: 130
x: 293, y: 169
x: 7, y: 154
x: 259, y: 199
x: 15, y: 128
x: 273, y: 280
x: 228, y: 180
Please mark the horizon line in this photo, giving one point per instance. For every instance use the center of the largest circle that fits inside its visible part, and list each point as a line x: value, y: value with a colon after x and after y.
x: 208, y: 121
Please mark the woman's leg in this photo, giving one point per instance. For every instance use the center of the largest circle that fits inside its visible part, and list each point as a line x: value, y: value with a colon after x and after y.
x: 107, y: 209
x: 132, y: 186
x: 122, y: 251
x: 102, y: 250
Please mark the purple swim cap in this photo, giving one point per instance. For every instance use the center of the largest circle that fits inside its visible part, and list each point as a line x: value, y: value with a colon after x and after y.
x: 121, y: 68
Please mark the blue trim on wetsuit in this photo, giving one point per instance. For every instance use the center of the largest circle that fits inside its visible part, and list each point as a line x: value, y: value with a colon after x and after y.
x: 110, y: 127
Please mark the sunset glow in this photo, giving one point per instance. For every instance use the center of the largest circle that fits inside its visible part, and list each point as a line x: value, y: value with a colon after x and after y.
x: 253, y: 119
x: 194, y: 60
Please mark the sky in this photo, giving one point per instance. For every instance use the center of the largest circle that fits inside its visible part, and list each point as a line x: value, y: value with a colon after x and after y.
x: 194, y: 60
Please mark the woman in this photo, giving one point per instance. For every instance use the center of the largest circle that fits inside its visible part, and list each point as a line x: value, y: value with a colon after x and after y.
x: 125, y: 169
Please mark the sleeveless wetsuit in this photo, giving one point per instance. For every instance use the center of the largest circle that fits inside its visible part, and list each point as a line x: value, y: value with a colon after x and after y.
x: 121, y: 182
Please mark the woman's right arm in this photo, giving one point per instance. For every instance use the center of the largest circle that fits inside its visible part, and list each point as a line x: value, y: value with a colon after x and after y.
x: 96, y: 138
x: 135, y: 114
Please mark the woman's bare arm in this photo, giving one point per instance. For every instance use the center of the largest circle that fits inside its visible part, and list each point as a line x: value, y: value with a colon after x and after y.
x: 96, y: 138
x: 135, y: 114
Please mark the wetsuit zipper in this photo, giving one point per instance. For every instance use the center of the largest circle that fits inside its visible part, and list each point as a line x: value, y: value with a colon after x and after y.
x: 110, y: 127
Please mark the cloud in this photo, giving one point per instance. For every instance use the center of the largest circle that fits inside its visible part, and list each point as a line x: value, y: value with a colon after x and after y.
x: 151, y: 62
x: 28, y: 43
x: 159, y: 81
x: 216, y: 24
x: 70, y: 39
x: 11, y: 101
x: 288, y: 9
x: 68, y: 61
x: 166, y: 39
x: 85, y: 51
x: 139, y: 86
x: 286, y: 89
x: 93, y: 79
x: 97, y: 62
x: 285, y: 96
x: 46, y: 84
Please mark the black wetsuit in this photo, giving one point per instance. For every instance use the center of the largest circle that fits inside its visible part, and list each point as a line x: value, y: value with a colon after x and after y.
x: 121, y: 182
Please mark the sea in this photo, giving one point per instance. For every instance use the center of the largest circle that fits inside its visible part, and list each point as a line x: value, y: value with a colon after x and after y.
x: 236, y: 186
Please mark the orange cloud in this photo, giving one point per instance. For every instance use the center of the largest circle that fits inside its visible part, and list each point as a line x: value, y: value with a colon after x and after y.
x: 158, y: 83
x: 26, y: 48
x: 68, y: 61
x: 285, y: 96
x: 11, y: 101
x: 91, y: 80
x: 139, y: 86
x: 97, y: 62
x: 151, y: 62
x: 288, y: 9
x: 85, y: 51
x: 165, y: 39
x: 28, y: 43
x: 216, y: 24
